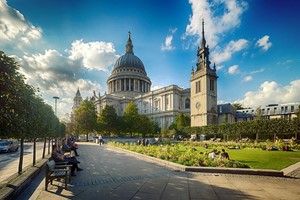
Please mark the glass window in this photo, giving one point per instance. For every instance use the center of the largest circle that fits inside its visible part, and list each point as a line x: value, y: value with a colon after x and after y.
x: 187, y: 103
x: 198, y: 87
x: 212, y: 85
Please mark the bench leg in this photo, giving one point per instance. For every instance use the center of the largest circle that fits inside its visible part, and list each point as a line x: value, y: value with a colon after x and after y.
x: 66, y: 181
x: 46, y: 183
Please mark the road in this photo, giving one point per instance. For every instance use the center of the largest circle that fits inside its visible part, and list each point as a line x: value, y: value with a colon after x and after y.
x: 9, y: 162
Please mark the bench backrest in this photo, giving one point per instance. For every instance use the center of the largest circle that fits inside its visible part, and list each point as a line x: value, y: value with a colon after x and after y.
x: 51, y: 164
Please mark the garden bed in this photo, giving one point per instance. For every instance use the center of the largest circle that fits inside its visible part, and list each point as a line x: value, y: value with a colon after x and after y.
x: 195, y: 154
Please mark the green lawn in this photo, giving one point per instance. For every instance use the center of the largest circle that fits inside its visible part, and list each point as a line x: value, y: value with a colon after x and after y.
x: 261, y: 159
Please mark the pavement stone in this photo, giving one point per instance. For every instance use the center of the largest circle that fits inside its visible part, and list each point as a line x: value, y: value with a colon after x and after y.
x: 112, y: 174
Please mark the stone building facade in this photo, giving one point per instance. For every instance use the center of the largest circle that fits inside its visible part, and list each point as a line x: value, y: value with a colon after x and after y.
x: 129, y: 82
x: 203, y: 88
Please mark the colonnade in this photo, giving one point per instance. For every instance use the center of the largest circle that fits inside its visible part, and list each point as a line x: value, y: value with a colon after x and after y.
x: 128, y: 84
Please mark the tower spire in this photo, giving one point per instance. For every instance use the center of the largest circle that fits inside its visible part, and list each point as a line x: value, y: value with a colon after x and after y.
x: 203, y: 41
x: 129, y: 46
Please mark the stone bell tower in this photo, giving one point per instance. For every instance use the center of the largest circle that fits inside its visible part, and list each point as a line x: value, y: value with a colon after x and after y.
x: 203, y: 88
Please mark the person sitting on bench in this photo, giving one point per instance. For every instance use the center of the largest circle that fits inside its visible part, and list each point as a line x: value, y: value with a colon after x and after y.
x: 67, y: 148
x: 57, y: 157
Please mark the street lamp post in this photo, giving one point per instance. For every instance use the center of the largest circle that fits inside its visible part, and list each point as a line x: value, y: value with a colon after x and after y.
x: 56, y: 98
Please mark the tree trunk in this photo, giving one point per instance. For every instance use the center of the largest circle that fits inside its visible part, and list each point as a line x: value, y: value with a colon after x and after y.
x: 44, y: 147
x: 34, y: 152
x: 256, y: 137
x: 48, y: 145
x: 21, y: 156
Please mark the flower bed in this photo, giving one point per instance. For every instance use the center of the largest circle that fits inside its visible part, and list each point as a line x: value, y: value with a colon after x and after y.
x: 187, y: 154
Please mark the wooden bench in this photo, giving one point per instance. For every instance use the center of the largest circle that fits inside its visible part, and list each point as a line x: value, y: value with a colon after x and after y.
x: 54, y: 171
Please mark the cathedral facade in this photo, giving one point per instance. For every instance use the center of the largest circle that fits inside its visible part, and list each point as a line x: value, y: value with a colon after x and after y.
x: 129, y: 82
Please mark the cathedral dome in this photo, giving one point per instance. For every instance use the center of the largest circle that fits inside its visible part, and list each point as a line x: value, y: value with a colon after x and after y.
x: 129, y: 60
x: 128, y: 75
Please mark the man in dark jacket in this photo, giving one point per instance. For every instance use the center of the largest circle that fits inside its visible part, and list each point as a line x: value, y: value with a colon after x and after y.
x: 57, y: 157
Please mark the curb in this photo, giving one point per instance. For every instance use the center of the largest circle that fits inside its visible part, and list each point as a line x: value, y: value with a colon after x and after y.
x: 176, y: 166
x: 13, y: 189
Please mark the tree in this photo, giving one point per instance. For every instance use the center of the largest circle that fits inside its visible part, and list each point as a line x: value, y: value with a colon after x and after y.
x: 164, y: 131
x: 86, y: 118
x: 258, y: 123
x: 237, y: 106
x: 223, y: 127
x: 145, y: 125
x: 131, y: 118
x: 298, y: 112
x: 108, y: 120
x: 182, y: 121
x: 157, y: 129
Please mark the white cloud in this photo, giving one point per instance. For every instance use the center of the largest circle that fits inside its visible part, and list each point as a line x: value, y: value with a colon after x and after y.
x: 59, y: 75
x: 173, y: 30
x: 167, y: 46
x: 94, y: 55
x: 233, y: 69
x: 219, y: 67
x: 15, y: 31
x: 54, y: 73
x: 272, y: 92
x: 285, y: 62
x: 221, y: 55
x: 257, y: 71
x: 216, y: 23
x: 248, y: 78
x: 264, y: 43
x: 66, y: 92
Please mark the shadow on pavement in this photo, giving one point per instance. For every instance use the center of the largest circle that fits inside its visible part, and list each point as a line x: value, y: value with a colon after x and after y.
x: 111, y: 174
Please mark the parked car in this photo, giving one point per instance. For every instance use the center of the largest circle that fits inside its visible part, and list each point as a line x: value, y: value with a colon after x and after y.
x: 9, y: 145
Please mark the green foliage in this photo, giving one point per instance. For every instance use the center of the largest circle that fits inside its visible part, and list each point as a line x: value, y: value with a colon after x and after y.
x: 182, y: 121
x: 131, y: 118
x: 242, y: 154
x: 22, y: 113
x: 182, y: 153
x: 145, y: 126
x: 237, y: 106
x: 108, y: 120
x: 86, y: 118
x: 164, y: 131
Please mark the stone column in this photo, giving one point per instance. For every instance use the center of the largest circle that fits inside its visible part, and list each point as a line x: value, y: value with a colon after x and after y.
x: 129, y: 84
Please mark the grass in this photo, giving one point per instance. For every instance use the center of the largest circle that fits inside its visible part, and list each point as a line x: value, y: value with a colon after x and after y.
x: 261, y: 159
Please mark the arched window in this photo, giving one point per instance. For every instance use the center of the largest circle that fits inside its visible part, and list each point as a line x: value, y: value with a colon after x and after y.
x: 187, y: 103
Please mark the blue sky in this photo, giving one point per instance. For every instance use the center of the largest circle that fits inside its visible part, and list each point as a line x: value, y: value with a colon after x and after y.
x: 63, y: 45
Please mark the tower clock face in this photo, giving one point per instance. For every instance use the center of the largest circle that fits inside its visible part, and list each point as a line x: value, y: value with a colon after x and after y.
x: 198, y: 104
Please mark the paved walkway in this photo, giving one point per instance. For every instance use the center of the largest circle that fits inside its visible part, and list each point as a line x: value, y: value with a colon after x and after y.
x: 113, y: 174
